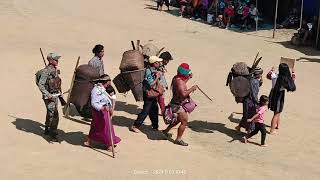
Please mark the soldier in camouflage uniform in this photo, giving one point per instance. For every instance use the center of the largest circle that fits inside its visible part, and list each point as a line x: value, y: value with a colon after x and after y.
x: 50, y: 86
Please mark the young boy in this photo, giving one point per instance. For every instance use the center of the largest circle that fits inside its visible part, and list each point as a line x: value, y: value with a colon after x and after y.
x: 258, y: 120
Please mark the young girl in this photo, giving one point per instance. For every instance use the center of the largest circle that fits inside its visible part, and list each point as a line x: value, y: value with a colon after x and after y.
x: 258, y: 120
x: 280, y: 82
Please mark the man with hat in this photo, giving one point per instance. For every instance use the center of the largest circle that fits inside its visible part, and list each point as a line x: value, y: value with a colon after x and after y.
x: 150, y: 106
x: 49, y: 84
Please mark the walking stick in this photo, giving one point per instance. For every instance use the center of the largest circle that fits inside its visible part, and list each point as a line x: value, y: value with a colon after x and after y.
x: 110, y: 133
x: 71, y: 86
x: 204, y: 93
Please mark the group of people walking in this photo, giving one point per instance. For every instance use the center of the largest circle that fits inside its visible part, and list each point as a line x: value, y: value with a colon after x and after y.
x: 254, y: 110
x: 103, y: 98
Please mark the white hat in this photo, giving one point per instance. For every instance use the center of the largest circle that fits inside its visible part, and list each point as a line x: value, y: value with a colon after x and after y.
x: 154, y: 59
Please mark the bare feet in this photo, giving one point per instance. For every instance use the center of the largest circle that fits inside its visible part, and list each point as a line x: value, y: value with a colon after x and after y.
x: 237, y: 128
x: 264, y: 145
x: 134, y: 129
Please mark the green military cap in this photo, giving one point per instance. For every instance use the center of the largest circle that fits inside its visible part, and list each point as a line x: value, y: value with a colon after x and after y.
x: 53, y: 56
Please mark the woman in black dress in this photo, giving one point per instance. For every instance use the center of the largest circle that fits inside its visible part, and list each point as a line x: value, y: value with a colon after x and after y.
x: 280, y: 83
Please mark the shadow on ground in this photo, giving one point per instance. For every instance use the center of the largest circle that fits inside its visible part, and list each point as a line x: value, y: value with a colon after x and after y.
x: 129, y: 108
x: 145, y: 129
x: 74, y: 138
x: 309, y: 51
x: 211, y: 127
x: 306, y: 59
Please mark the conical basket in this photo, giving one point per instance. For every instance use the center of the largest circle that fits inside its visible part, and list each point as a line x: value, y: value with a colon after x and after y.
x: 135, y: 82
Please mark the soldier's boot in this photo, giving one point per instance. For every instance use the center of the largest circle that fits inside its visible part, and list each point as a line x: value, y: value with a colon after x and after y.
x: 53, y: 135
x: 46, y: 130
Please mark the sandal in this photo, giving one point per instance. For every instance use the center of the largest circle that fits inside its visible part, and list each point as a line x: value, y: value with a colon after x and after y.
x: 166, y: 134
x: 181, y: 142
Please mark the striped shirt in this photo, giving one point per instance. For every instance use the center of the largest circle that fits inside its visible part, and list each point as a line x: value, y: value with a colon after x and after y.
x: 97, y: 63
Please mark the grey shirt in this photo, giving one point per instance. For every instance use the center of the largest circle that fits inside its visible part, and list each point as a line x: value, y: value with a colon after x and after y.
x: 97, y: 63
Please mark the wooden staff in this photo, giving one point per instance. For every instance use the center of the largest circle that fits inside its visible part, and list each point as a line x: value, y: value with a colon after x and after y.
x: 204, y: 93
x: 71, y: 86
x: 44, y: 61
x: 110, y: 132
x: 138, y: 45
x: 133, y: 47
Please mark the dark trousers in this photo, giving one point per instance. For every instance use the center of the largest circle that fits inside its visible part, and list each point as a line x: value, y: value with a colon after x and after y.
x: 259, y: 127
x: 161, y: 2
x: 52, y: 118
x: 150, y: 107
x: 249, y: 110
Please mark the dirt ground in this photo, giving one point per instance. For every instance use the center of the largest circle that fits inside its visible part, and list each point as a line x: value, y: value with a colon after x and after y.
x: 73, y: 27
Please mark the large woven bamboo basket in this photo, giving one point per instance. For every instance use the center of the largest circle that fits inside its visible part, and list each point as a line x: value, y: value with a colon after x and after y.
x: 131, y: 60
x: 121, y: 84
x: 80, y: 93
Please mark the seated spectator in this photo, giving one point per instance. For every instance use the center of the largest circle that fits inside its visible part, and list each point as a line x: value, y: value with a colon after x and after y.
x: 292, y: 20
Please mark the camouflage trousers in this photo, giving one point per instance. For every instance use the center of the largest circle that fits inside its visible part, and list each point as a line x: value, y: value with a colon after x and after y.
x: 52, y: 118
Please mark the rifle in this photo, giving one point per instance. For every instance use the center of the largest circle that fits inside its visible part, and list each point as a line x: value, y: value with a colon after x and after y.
x: 62, y: 101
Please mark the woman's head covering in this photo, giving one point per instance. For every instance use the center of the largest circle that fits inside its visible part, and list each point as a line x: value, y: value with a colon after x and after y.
x: 103, y: 79
x: 184, y: 71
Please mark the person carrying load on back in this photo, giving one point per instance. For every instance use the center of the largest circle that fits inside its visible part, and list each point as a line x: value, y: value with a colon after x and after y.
x: 49, y: 84
x: 181, y: 103
x: 152, y: 89
x: 97, y: 61
x: 166, y: 57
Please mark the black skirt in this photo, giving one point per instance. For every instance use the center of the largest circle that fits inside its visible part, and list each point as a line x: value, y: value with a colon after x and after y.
x: 276, y: 100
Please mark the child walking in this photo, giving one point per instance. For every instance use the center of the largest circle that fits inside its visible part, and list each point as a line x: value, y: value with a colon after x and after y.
x: 258, y: 120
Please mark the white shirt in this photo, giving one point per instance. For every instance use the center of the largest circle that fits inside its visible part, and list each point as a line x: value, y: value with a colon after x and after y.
x: 100, y: 98
x: 253, y: 11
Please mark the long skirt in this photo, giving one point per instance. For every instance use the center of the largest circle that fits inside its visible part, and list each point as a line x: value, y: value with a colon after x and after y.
x: 99, y: 130
x: 276, y: 100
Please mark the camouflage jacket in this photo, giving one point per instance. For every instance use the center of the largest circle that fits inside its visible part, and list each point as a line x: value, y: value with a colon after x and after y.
x: 49, y: 82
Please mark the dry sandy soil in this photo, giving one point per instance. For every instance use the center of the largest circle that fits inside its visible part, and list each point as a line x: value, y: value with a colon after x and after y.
x: 73, y: 27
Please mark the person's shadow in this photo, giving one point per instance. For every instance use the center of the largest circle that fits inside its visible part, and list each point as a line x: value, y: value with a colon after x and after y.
x: 129, y: 108
x: 147, y: 130
x: 74, y: 138
x: 36, y: 128
x: 211, y: 127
